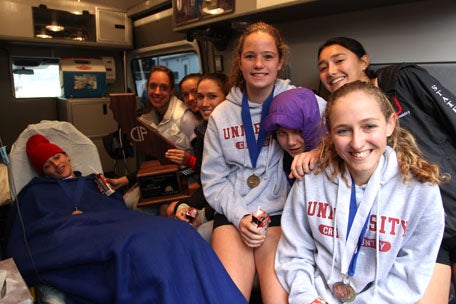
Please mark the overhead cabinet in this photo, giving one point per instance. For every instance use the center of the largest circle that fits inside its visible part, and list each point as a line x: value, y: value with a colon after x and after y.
x: 19, y: 14
x: 98, y: 26
x: 113, y: 27
x: 199, y: 14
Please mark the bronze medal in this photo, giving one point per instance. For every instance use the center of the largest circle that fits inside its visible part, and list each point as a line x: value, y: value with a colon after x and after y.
x: 253, y: 181
x: 344, y: 292
x: 76, y: 211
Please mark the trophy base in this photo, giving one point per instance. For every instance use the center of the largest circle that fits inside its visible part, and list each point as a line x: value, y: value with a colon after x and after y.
x: 161, y: 183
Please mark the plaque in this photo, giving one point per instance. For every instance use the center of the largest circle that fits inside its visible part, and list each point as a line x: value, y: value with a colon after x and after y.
x: 160, y: 183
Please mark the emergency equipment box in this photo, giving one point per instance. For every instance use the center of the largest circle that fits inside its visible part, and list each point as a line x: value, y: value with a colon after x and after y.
x: 83, y: 77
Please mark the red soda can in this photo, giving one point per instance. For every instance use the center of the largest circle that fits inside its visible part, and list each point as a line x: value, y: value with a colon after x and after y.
x: 191, y: 214
x: 261, y: 219
x: 102, y: 182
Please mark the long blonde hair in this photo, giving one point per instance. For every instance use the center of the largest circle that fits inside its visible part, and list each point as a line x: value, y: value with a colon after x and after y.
x: 236, y: 78
x: 412, y: 164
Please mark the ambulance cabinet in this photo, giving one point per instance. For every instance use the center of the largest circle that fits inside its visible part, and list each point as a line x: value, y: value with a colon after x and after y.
x: 93, y: 117
x: 113, y: 27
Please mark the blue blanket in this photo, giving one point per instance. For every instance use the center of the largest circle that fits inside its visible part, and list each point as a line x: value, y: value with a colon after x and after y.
x: 109, y: 254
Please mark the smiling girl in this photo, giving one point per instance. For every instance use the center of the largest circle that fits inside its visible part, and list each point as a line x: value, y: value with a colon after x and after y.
x: 211, y: 91
x: 371, y: 210
x: 423, y: 106
x: 242, y: 166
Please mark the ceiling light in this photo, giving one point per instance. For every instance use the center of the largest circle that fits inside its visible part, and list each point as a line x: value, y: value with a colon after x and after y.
x: 215, y: 11
x: 55, y: 27
x: 43, y: 35
x: 211, y: 7
x: 79, y: 38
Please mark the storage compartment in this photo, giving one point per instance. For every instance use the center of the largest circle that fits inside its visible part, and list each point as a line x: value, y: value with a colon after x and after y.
x: 83, y: 77
x: 79, y: 23
x: 19, y: 14
x: 51, y: 23
x: 113, y: 27
x: 94, y: 119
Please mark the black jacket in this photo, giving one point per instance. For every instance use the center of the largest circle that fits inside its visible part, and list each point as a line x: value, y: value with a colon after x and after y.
x: 428, y: 110
x: 197, y: 200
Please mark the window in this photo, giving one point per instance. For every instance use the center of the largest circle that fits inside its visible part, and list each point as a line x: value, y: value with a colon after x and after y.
x: 36, y: 77
x: 181, y: 64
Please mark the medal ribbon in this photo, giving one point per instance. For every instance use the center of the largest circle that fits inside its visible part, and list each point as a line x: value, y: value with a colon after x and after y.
x: 253, y: 145
x: 351, y: 217
x: 76, y: 196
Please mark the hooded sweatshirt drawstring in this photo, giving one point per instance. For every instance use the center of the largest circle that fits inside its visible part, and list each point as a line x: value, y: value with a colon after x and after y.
x: 377, y: 248
x: 266, y: 172
x: 377, y: 239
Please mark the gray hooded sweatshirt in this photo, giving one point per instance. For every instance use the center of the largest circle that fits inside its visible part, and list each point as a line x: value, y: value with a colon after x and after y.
x: 405, y: 224
x: 226, y: 162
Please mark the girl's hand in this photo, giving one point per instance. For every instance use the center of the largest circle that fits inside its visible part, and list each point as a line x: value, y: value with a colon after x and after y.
x: 304, y: 163
x: 117, y: 183
x: 177, y: 156
x: 181, y: 214
x: 250, y: 234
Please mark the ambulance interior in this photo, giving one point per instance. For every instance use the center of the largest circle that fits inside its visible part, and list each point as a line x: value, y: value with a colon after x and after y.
x: 119, y: 41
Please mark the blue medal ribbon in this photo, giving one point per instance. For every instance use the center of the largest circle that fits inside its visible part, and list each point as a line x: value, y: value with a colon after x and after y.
x: 253, y: 145
x: 351, y: 217
x: 74, y: 196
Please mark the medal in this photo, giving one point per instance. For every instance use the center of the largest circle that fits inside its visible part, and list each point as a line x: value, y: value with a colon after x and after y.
x: 253, y: 181
x: 73, y: 195
x: 254, y: 146
x: 76, y: 211
x: 344, y: 292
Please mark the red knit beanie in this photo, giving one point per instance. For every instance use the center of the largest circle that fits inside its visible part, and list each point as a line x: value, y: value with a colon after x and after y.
x: 39, y: 149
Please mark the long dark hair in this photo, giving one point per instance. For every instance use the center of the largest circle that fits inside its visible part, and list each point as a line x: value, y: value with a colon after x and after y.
x: 352, y: 45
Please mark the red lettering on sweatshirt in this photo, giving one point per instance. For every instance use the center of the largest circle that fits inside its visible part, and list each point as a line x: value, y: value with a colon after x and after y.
x: 404, y: 224
x: 384, y: 246
x: 238, y: 131
x: 388, y: 225
x: 233, y: 132
x: 326, y: 230
x: 240, y: 145
x: 256, y: 128
x: 320, y: 209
